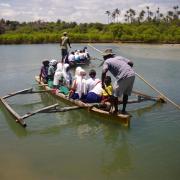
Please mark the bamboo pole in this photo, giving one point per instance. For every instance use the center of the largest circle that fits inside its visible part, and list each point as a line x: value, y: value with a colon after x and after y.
x: 165, y: 97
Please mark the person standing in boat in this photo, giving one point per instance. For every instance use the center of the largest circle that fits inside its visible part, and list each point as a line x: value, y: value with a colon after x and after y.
x: 121, y: 69
x: 65, y: 42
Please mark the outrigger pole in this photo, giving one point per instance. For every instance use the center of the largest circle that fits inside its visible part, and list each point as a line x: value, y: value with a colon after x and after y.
x: 48, y: 109
x: 161, y: 94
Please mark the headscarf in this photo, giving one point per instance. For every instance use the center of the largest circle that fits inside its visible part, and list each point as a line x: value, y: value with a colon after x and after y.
x: 80, y: 81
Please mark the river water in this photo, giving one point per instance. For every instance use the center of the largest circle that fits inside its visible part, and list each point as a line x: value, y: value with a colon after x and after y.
x: 77, y: 145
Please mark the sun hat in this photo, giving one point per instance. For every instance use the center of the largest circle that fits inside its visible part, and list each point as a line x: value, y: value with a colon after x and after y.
x: 65, y: 33
x: 107, y: 52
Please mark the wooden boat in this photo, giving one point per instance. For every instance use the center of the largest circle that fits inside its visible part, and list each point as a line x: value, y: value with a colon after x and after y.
x: 124, y: 118
x: 86, y: 62
x: 94, y: 108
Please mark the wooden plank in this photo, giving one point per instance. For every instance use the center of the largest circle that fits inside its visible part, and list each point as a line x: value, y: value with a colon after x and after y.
x: 39, y: 111
x: 24, y: 91
x: 64, y: 109
x: 13, y: 113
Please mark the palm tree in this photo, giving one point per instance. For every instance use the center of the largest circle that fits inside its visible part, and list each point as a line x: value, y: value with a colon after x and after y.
x: 113, y: 15
x: 127, y: 16
x: 148, y: 13
x: 169, y: 16
x: 132, y: 14
x: 117, y: 12
x: 176, y: 13
x: 157, y: 17
x: 108, y: 14
x: 141, y: 16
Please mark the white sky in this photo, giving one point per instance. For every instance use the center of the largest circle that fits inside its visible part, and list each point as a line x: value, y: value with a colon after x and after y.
x: 80, y: 11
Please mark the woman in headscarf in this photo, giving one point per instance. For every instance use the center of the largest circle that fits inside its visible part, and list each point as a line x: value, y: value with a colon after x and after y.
x: 51, y: 72
x: 58, y: 76
x: 78, y: 89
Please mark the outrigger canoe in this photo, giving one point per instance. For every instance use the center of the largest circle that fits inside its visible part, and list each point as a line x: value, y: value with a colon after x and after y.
x: 94, y: 108
x: 124, y: 118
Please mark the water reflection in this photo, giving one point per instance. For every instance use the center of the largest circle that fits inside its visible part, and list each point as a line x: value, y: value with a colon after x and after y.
x: 17, y: 129
x: 117, y: 160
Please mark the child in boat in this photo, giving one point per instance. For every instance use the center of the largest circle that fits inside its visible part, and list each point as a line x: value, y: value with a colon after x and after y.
x: 43, y: 76
x: 108, y: 90
x: 78, y: 89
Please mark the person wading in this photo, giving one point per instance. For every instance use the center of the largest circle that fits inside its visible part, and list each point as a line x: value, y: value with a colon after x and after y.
x: 121, y: 69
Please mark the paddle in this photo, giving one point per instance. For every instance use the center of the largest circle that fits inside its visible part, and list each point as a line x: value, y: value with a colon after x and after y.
x: 165, y: 97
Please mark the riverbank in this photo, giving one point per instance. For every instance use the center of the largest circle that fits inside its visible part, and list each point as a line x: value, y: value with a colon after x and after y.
x: 146, y: 32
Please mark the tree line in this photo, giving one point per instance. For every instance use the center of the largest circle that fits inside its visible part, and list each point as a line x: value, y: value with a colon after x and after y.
x: 145, y: 26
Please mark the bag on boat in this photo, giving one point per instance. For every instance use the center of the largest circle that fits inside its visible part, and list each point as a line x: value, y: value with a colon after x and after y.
x: 64, y: 90
x: 50, y: 83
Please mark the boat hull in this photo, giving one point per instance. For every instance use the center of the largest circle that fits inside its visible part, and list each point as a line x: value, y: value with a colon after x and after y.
x: 123, y: 118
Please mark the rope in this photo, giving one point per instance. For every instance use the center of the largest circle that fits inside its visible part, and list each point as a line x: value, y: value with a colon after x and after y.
x: 160, y: 93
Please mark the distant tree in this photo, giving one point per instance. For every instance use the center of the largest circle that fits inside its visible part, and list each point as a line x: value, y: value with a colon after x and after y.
x: 148, y: 13
x: 176, y: 12
x: 127, y: 16
x: 108, y: 14
x: 132, y: 14
x: 117, y: 12
x: 113, y: 15
x: 141, y: 16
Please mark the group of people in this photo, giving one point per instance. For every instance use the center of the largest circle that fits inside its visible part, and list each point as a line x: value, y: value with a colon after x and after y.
x: 77, y: 56
x: 91, y: 89
x: 73, y: 57
x: 57, y: 75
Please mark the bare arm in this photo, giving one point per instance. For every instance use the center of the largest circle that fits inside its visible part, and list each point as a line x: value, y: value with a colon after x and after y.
x: 103, y: 75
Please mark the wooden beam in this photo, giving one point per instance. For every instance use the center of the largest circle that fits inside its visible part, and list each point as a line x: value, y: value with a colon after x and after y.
x: 39, y: 111
x: 24, y: 91
x: 18, y: 118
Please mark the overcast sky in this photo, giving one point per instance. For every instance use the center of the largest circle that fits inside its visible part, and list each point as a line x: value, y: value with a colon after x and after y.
x: 75, y: 10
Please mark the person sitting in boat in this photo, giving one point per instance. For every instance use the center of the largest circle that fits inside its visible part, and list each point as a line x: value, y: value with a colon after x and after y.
x: 94, y: 88
x: 43, y: 76
x: 58, y: 75
x: 81, y: 56
x: 64, y: 79
x: 78, y: 89
x: 92, y: 81
x: 51, y: 71
x: 108, y: 90
x: 67, y: 76
x: 77, y: 57
x: 71, y: 58
x: 86, y: 53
